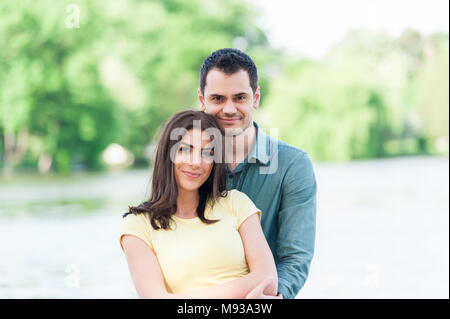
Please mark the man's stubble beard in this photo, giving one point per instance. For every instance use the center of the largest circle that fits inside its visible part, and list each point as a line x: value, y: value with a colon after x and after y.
x: 237, y: 131
x: 237, y: 142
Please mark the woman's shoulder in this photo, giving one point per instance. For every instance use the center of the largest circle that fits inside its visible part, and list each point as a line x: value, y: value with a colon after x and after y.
x: 233, y: 194
x: 137, y: 219
x: 226, y: 198
x: 231, y: 201
x: 236, y: 197
x: 137, y: 224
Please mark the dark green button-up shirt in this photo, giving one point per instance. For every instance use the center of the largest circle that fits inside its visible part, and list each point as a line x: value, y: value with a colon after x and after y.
x: 280, y: 180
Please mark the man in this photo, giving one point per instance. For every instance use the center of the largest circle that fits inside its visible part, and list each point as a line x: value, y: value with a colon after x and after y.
x: 278, y: 177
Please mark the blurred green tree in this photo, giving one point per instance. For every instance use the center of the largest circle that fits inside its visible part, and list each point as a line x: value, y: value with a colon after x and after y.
x: 371, y: 96
x: 76, y: 76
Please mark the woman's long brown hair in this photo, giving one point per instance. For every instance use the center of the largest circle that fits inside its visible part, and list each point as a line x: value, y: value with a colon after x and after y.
x: 162, y: 203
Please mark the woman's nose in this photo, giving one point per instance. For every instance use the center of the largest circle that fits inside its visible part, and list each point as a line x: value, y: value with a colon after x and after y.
x: 195, y: 159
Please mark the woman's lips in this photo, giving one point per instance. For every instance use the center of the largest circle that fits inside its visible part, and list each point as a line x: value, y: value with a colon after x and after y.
x: 191, y: 175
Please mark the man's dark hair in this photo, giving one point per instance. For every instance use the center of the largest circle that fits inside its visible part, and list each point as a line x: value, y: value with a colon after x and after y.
x: 229, y: 61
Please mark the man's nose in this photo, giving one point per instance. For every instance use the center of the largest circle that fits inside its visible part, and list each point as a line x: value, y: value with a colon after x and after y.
x: 229, y: 108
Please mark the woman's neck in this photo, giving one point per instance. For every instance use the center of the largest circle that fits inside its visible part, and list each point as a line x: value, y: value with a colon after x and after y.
x: 187, y: 203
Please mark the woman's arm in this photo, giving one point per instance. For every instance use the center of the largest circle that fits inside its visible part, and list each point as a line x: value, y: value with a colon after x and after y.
x: 149, y: 281
x: 260, y: 262
x: 144, y: 268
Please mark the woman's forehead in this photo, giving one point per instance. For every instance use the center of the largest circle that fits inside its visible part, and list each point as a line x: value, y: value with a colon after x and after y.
x: 196, y: 136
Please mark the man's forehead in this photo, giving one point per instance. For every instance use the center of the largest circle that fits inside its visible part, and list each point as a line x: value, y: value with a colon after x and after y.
x: 219, y: 82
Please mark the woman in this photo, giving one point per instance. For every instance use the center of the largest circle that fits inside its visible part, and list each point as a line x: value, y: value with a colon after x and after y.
x: 192, y: 238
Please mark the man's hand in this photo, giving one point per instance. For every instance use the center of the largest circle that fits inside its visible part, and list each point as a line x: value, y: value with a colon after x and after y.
x: 258, y: 291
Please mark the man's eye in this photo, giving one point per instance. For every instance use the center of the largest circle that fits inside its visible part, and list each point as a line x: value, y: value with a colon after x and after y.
x: 240, y: 98
x: 217, y: 98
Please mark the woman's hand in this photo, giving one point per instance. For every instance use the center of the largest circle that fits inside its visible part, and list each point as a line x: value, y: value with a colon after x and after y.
x: 259, y: 291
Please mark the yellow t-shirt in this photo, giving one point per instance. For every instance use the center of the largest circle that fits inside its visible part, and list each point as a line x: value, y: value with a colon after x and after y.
x: 194, y: 255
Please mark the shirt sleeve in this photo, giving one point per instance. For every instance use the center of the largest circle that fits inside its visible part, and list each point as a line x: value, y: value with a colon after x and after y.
x: 136, y: 225
x: 297, y: 226
x: 242, y: 207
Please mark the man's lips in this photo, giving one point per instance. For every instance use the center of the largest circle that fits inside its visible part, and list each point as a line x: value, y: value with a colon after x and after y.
x: 191, y: 175
x: 229, y: 120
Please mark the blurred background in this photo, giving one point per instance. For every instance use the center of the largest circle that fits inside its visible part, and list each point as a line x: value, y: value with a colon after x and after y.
x: 362, y: 86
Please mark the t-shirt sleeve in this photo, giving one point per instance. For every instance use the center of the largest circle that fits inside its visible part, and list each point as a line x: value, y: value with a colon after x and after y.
x: 243, y: 207
x: 136, y: 225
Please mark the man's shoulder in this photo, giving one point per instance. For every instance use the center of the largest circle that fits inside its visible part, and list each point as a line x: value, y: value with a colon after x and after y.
x: 288, y: 153
x: 294, y: 164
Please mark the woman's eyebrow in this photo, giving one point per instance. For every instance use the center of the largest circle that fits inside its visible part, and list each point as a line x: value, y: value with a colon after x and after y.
x: 189, y: 145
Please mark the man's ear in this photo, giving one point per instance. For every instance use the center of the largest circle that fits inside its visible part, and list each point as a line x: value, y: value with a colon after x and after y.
x: 257, y: 97
x: 201, y: 99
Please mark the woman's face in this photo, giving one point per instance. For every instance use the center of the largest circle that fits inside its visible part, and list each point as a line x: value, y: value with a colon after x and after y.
x: 193, y: 160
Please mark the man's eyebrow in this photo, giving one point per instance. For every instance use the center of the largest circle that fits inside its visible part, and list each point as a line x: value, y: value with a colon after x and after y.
x: 239, y: 94
x: 220, y: 95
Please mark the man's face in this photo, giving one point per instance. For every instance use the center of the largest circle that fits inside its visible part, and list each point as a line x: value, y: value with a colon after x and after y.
x: 230, y: 99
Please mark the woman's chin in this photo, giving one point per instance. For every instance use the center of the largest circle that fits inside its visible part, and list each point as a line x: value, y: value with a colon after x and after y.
x: 190, y: 187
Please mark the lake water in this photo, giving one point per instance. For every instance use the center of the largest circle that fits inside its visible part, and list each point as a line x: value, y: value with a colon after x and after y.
x: 382, y: 232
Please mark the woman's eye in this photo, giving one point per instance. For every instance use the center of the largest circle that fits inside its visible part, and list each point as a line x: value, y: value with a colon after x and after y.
x: 184, y: 149
x: 208, y: 154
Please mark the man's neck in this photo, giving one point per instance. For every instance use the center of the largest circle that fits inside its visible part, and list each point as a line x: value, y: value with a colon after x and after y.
x: 237, y: 147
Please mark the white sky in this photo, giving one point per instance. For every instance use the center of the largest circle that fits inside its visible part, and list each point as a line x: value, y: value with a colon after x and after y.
x: 312, y: 27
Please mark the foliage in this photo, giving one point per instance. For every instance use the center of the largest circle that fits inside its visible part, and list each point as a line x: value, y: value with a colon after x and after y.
x: 116, y: 78
x: 372, y: 96
x: 67, y: 92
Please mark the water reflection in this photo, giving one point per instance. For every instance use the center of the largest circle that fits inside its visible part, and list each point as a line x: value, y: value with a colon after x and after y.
x: 382, y: 232
x: 58, y: 209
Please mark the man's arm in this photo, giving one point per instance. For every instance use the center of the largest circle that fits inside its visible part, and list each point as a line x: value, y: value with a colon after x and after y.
x: 297, y: 226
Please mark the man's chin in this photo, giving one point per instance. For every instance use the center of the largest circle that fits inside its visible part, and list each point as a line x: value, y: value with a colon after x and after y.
x: 235, y: 131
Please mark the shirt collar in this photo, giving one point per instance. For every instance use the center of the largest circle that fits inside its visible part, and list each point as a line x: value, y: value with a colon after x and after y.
x: 261, y: 148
